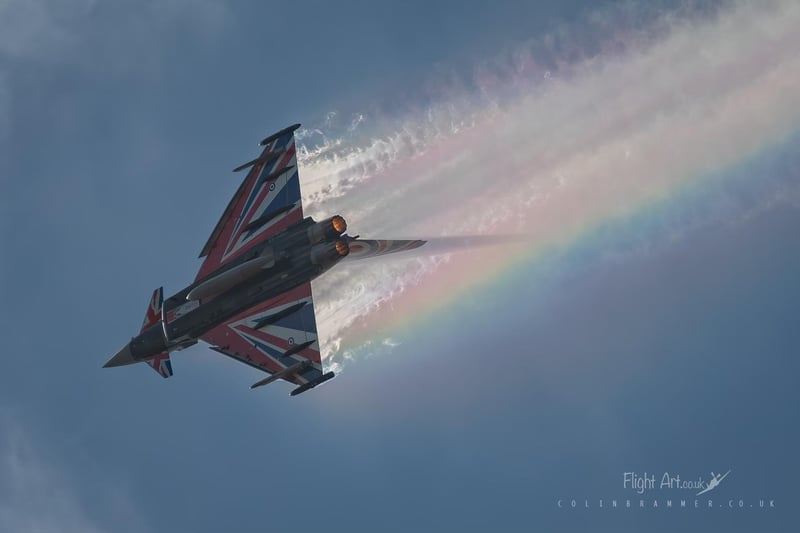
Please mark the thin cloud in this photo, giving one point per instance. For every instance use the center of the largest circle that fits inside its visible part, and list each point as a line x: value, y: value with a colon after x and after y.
x: 35, y: 495
x: 126, y: 41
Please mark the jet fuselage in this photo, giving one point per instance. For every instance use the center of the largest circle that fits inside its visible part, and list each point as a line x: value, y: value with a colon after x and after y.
x: 297, y: 255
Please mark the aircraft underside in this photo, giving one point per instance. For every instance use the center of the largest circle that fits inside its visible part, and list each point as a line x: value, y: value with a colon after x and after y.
x: 251, y: 299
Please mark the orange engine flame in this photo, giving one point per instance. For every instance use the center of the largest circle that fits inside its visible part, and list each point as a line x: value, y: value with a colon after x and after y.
x: 339, y: 225
x: 342, y: 248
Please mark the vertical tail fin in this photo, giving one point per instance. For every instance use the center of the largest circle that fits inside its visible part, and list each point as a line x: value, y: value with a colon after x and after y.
x: 159, y: 362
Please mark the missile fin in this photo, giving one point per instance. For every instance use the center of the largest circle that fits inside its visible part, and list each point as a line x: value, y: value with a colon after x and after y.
x: 281, y: 133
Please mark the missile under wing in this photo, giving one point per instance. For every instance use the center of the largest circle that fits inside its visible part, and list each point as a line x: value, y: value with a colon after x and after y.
x: 278, y: 336
x: 251, y: 299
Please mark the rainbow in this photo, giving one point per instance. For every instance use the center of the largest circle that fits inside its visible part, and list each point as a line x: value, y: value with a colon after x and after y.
x: 595, y: 149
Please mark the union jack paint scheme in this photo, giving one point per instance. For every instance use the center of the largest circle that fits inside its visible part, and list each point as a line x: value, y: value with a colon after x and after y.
x: 251, y: 299
x: 159, y: 362
x: 153, y: 314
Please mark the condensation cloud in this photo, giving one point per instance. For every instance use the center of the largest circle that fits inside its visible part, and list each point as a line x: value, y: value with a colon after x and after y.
x: 551, y: 144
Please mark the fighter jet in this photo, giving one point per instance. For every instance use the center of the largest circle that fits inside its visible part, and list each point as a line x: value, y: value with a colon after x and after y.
x: 251, y: 299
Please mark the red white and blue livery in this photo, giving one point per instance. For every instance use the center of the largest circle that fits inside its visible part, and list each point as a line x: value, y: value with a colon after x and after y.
x: 251, y: 299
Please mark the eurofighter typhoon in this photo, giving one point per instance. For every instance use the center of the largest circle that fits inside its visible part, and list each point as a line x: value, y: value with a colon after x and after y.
x: 251, y: 299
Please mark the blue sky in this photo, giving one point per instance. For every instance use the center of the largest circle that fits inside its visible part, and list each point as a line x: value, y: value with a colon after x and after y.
x: 663, y: 340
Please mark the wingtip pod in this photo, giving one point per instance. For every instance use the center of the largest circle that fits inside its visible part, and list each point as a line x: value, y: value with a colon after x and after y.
x: 311, y: 384
x: 281, y: 133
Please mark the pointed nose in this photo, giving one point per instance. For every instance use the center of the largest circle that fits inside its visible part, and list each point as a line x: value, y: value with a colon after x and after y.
x: 122, y: 357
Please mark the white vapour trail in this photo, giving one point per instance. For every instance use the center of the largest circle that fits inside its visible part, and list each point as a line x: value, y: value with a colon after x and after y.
x: 564, y: 148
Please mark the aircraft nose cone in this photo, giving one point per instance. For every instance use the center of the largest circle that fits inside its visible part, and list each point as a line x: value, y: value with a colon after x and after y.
x: 122, y: 357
